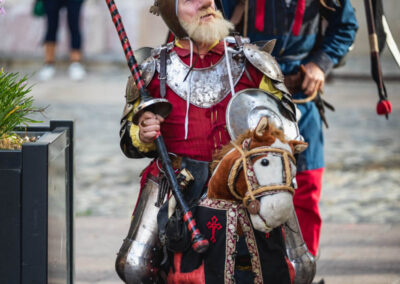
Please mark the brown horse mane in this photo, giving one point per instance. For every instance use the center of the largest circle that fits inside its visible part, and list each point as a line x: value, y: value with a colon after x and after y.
x: 219, y: 154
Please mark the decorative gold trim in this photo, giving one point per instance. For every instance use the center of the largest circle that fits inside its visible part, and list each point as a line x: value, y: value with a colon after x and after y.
x: 251, y: 245
x: 236, y: 212
x: 142, y: 147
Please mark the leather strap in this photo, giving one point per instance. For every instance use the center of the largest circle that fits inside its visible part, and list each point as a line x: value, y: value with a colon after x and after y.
x: 163, y: 71
x: 293, y: 82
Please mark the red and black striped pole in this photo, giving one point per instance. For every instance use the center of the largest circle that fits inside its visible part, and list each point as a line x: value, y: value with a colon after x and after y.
x: 133, y: 66
x: 384, y: 107
x: 163, y: 108
x: 158, y: 106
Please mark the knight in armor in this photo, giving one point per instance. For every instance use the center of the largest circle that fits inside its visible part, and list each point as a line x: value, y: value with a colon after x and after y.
x: 316, y: 35
x: 198, y: 74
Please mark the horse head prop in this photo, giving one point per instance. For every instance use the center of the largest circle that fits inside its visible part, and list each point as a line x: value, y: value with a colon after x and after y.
x: 258, y: 169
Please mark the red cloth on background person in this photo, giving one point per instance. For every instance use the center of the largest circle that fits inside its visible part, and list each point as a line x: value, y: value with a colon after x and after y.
x: 298, y: 19
x: 306, y: 199
x: 260, y: 15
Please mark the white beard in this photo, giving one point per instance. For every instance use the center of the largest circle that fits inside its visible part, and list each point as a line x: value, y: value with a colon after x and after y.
x: 215, y: 30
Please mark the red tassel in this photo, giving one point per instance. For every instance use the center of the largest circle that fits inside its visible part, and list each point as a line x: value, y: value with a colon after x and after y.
x: 384, y: 107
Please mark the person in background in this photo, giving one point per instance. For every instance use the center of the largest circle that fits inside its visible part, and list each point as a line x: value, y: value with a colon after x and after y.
x: 76, y: 70
x: 312, y: 36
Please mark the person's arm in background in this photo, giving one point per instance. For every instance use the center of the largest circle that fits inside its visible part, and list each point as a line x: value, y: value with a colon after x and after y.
x: 338, y: 37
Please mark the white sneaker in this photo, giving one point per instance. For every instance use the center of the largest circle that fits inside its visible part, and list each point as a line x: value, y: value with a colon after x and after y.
x: 47, y: 72
x: 76, y: 71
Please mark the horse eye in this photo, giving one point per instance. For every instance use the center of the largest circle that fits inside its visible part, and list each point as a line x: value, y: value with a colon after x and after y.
x: 264, y: 162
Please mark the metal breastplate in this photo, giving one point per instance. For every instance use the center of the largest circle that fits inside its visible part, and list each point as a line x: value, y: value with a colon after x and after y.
x: 208, y: 86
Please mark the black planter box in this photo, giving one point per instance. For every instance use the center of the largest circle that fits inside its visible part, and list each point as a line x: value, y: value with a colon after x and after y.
x: 36, y: 208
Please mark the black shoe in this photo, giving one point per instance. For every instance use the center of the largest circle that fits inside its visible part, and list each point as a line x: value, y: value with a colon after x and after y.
x: 322, y: 281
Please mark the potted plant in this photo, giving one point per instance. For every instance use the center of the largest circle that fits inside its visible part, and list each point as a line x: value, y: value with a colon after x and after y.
x: 36, y: 190
x: 15, y: 108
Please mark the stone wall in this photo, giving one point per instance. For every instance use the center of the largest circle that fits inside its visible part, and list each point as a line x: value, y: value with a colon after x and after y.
x: 21, y: 34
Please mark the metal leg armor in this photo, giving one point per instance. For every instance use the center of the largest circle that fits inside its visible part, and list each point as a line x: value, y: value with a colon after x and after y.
x: 301, y: 259
x: 140, y: 254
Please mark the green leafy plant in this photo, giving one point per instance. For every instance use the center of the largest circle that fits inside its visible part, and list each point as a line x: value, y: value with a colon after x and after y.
x: 15, y: 107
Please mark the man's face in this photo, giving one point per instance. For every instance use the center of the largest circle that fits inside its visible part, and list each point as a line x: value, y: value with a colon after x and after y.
x: 202, y: 22
x: 190, y: 10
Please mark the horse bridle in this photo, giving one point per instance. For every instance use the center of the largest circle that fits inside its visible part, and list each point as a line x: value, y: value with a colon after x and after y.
x: 254, y: 189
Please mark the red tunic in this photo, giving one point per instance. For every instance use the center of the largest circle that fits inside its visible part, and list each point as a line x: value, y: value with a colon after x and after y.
x: 207, y: 127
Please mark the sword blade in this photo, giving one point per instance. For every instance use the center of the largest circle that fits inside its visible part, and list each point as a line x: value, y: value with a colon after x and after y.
x: 390, y: 41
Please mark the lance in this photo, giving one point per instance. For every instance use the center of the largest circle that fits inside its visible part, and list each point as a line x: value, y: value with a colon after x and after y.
x: 161, y: 107
x: 384, y: 106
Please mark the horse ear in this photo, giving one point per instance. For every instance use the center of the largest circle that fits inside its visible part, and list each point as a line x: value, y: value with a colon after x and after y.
x: 298, y: 146
x: 262, y: 126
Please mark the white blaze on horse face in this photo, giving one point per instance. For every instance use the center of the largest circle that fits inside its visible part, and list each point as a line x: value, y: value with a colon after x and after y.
x: 275, y: 210
x: 269, y: 170
x: 273, y: 173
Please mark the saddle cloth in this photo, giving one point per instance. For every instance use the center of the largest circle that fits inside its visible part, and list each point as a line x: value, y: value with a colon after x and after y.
x: 218, y: 220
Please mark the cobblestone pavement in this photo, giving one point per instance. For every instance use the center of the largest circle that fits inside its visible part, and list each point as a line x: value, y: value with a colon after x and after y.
x: 362, y: 178
x: 350, y: 253
x: 361, y: 182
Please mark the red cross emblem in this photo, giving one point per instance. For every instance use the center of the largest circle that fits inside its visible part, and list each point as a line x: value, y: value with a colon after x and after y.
x: 213, y: 225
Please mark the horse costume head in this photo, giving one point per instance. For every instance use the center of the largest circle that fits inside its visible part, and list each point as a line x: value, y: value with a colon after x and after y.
x: 258, y: 169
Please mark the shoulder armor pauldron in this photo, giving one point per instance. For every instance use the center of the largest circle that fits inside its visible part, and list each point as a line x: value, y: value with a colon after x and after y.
x: 147, y: 70
x: 156, y: 51
x: 263, y: 61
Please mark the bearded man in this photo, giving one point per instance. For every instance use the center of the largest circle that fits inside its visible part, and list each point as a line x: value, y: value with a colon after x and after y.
x: 198, y: 74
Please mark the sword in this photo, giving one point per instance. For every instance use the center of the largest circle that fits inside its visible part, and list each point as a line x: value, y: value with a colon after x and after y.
x: 390, y: 41
x: 163, y: 108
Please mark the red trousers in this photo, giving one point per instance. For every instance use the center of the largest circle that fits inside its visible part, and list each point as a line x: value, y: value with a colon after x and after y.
x: 306, y: 199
